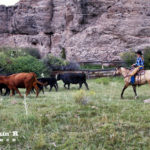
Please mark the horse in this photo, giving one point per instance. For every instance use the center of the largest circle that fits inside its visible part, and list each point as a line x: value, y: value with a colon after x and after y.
x: 139, y: 79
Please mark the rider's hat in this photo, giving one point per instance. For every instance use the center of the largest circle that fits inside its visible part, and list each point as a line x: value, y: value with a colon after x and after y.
x: 139, y: 52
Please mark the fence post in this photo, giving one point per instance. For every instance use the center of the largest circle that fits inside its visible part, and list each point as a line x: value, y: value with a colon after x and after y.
x: 102, y: 66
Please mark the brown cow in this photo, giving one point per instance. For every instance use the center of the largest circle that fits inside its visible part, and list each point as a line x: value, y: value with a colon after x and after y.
x: 21, y: 80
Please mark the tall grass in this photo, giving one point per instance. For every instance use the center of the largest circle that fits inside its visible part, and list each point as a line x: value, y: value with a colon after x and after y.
x: 56, y: 121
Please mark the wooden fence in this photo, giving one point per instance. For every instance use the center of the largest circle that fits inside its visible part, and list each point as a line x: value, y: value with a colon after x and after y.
x: 103, y: 63
x: 90, y: 73
x: 95, y: 73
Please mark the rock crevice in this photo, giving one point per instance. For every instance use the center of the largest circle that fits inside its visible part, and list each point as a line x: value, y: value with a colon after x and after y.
x: 89, y: 30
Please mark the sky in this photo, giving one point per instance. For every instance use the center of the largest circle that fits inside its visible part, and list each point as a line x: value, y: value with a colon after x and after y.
x: 8, y: 2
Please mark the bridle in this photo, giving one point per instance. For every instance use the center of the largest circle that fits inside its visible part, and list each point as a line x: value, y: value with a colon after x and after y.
x: 127, y: 75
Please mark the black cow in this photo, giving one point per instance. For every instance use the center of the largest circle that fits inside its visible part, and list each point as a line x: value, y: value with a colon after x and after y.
x: 52, y: 82
x: 3, y: 86
x: 7, y: 90
x: 74, y: 78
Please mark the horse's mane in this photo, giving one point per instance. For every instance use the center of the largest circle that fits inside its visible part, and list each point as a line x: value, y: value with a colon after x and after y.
x: 128, y: 68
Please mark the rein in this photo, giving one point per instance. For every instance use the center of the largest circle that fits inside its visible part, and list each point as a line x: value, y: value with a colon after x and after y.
x: 127, y: 74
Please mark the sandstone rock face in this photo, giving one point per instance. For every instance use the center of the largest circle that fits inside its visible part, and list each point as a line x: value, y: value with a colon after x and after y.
x: 89, y: 30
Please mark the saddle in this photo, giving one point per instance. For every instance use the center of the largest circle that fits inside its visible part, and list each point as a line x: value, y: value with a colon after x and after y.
x: 141, y: 72
x: 138, y: 75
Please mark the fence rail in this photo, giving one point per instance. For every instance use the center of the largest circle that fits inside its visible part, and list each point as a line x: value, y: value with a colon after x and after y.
x: 90, y: 73
x: 103, y: 63
x: 95, y: 73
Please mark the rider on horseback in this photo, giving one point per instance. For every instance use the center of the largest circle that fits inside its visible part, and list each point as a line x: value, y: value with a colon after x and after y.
x: 138, y: 66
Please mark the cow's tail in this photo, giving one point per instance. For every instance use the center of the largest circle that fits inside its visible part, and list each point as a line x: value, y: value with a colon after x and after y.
x: 38, y: 82
x: 43, y: 84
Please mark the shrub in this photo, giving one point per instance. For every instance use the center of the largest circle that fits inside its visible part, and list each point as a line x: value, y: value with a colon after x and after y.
x: 5, y: 49
x: 40, y: 142
x: 15, y: 52
x: 44, y: 120
x: 63, y: 53
x: 15, y: 61
x: 72, y: 66
x: 146, y: 52
x: 128, y: 57
x: 26, y: 64
x: 91, y: 66
x: 4, y: 60
x: 55, y: 63
x: 81, y: 97
x: 33, y: 52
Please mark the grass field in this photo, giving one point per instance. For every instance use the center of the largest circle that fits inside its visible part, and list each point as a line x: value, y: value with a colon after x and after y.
x: 78, y: 120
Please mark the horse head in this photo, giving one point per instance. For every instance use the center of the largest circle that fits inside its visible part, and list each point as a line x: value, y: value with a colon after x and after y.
x: 117, y: 71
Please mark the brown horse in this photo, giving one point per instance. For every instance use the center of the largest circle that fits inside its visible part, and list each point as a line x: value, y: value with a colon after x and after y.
x: 144, y: 78
x: 21, y: 80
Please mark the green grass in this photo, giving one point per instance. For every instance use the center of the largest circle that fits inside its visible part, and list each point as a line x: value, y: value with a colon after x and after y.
x: 94, y: 66
x: 91, y: 66
x: 60, y: 121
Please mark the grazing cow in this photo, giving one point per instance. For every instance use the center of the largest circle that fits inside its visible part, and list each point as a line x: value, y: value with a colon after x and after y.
x: 74, y: 78
x: 7, y: 90
x: 21, y: 80
x: 52, y: 82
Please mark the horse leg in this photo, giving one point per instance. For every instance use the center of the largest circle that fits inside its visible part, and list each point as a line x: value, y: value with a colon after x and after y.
x: 123, y: 91
x: 134, y: 89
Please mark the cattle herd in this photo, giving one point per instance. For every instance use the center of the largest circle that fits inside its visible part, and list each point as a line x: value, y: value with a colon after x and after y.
x: 9, y: 85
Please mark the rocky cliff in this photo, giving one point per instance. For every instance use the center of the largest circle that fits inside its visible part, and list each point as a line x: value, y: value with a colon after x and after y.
x: 89, y: 30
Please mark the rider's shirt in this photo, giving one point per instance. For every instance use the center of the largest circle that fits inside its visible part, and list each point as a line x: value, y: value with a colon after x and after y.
x: 139, y: 62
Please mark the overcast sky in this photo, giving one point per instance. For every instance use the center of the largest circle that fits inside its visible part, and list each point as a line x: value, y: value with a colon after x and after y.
x: 8, y: 2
